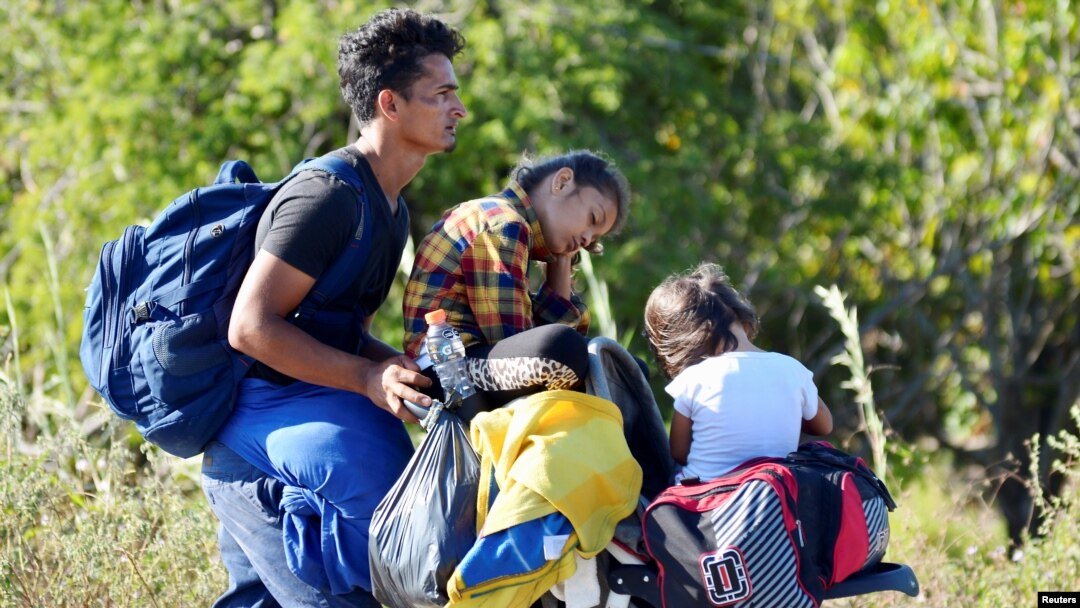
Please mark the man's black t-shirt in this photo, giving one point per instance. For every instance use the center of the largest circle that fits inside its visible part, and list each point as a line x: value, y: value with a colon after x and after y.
x: 309, y: 223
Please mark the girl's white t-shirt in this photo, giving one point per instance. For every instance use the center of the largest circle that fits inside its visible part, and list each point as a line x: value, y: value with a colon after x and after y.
x: 742, y: 405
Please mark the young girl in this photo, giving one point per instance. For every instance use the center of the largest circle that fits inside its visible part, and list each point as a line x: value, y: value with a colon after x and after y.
x: 475, y: 263
x: 733, y: 401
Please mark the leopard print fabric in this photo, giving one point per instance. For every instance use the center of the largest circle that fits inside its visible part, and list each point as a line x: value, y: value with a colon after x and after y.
x: 513, y: 373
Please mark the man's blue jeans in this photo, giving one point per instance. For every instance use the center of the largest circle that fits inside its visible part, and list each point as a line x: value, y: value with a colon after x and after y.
x: 246, y: 503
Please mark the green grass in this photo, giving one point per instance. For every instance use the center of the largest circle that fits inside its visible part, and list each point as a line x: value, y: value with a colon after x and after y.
x: 88, y: 526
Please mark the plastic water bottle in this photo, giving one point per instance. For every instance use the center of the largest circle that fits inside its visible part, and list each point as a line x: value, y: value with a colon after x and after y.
x: 447, y: 354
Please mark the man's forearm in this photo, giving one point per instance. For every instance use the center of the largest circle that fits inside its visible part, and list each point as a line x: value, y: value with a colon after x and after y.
x: 377, y: 350
x: 291, y: 351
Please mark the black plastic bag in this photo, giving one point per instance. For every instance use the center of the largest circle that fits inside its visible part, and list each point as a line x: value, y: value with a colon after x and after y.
x: 426, y: 523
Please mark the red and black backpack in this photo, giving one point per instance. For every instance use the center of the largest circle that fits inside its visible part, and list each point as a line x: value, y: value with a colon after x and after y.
x: 775, y: 532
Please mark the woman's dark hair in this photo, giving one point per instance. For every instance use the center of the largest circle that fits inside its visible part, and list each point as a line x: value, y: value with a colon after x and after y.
x: 387, y: 53
x: 688, y: 318
x: 591, y: 170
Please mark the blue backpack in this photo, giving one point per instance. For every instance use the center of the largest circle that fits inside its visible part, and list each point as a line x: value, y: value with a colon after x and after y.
x: 155, y: 334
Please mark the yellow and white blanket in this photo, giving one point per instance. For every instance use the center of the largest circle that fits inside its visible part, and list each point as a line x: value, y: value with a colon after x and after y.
x: 556, y: 477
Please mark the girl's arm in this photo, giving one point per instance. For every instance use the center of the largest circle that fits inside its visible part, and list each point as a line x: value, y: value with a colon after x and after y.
x: 820, y: 424
x: 559, y: 275
x: 681, y: 431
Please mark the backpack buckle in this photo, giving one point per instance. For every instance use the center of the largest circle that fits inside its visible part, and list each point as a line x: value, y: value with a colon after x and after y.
x: 140, y: 313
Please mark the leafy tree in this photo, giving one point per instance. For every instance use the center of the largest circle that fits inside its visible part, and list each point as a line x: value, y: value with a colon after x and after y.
x: 922, y: 156
x: 960, y: 236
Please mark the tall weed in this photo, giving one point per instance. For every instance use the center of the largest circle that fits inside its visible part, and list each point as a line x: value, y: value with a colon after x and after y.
x: 859, y: 383
x: 599, y: 300
x: 87, y: 526
x: 954, y: 541
x: 958, y: 546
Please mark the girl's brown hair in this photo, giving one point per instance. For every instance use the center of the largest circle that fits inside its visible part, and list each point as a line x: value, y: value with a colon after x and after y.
x: 688, y: 318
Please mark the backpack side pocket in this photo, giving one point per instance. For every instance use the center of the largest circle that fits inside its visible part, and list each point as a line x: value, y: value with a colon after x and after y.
x: 852, y: 538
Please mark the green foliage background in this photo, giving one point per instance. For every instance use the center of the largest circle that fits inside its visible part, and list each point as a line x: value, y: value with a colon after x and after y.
x: 923, y: 156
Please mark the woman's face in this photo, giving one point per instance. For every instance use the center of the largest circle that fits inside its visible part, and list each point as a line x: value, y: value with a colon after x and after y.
x: 573, y: 217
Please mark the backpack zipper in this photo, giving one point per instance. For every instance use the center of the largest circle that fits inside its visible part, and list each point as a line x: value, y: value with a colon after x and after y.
x: 787, y: 495
x: 834, y: 481
x: 189, y: 245
x: 724, y: 489
x: 116, y: 306
x: 107, y: 285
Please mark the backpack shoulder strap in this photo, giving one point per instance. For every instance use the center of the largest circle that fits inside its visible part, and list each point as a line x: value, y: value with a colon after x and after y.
x: 335, y: 166
x: 337, y: 275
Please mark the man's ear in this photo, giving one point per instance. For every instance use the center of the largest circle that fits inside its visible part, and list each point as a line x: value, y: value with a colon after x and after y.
x: 387, y: 102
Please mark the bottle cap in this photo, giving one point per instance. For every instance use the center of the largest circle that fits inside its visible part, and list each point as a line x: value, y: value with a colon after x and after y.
x: 435, y: 317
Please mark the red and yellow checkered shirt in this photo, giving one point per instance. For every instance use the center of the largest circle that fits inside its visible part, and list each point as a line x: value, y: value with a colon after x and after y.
x: 474, y: 264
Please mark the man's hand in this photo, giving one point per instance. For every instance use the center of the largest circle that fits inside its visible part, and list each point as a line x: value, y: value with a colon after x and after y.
x: 391, y: 382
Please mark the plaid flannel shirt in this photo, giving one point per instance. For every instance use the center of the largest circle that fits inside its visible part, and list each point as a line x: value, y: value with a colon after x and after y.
x: 474, y: 264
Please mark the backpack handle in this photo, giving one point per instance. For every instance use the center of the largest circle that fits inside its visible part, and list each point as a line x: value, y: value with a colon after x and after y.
x: 823, y: 453
x: 234, y: 171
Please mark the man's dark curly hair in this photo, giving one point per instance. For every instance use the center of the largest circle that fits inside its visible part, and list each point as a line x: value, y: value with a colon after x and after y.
x: 386, y: 53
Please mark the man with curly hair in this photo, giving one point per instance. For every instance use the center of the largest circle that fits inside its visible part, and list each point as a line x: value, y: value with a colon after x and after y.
x: 316, y: 437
